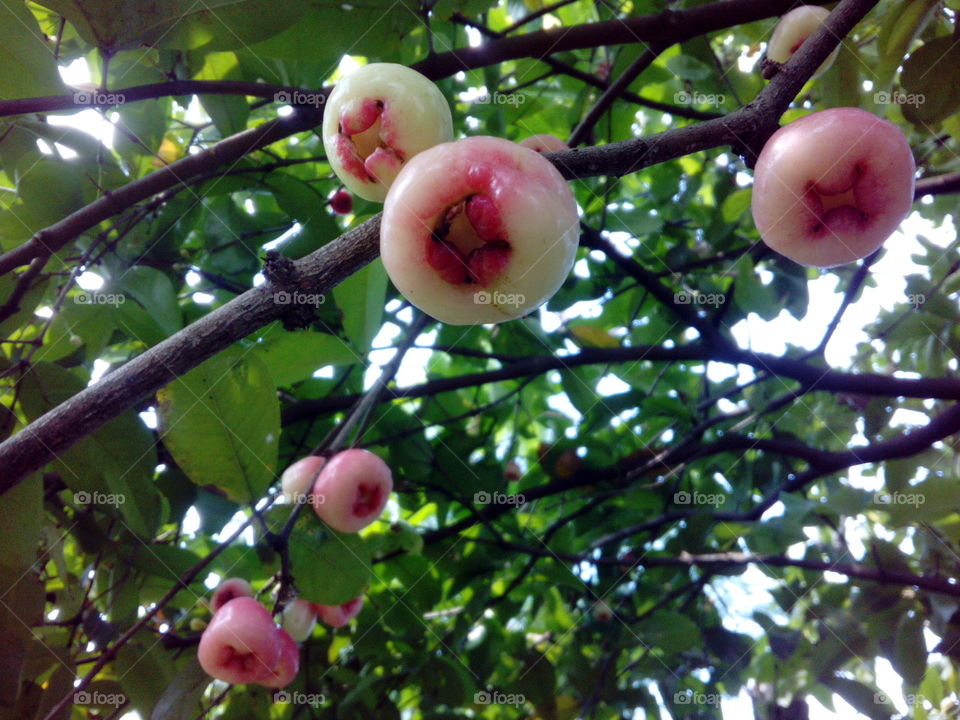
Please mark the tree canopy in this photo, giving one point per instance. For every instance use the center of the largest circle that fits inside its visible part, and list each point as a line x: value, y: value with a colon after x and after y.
x: 614, y: 507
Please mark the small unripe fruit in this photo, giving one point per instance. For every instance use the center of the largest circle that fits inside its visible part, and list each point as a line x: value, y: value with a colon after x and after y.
x: 830, y: 187
x: 544, y: 143
x: 339, y: 615
x: 241, y: 644
x: 376, y: 119
x: 352, y: 490
x: 298, y: 479
x: 481, y: 230
x: 341, y: 202
x: 228, y: 590
x: 298, y: 619
x: 287, y: 666
x: 791, y: 32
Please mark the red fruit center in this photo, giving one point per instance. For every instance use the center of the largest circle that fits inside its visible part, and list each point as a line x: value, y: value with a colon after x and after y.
x: 469, y: 245
x: 837, y: 209
x: 369, y: 497
x: 242, y: 662
x: 341, y: 202
x: 363, y: 142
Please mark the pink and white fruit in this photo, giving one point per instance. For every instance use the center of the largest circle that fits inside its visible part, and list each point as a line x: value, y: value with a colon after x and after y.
x: 831, y: 187
x: 341, y: 202
x: 298, y: 619
x: 298, y: 479
x: 228, y: 590
x: 544, y: 143
x: 339, y: 615
x: 287, y: 666
x: 241, y: 644
x: 480, y: 230
x: 790, y: 33
x: 376, y: 119
x: 352, y: 490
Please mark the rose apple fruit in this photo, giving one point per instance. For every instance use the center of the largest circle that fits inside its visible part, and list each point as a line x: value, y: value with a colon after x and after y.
x: 352, y: 490
x: 376, y: 119
x: 241, y: 644
x: 791, y: 32
x: 481, y: 230
x: 831, y: 187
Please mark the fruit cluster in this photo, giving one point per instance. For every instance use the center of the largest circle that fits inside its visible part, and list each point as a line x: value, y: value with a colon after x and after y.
x: 242, y: 644
x: 474, y: 230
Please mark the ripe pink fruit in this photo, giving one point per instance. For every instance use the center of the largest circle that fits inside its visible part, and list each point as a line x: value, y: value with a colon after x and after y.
x: 480, y: 230
x: 288, y: 665
x: 830, y: 187
x: 297, y: 479
x: 352, y: 490
x: 298, y: 619
x: 376, y: 119
x: 341, y: 202
x: 241, y: 644
x: 790, y: 33
x: 544, y: 143
x: 228, y: 590
x: 339, y: 615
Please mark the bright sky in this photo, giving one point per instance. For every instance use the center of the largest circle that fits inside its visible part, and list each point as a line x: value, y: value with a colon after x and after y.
x: 743, y: 595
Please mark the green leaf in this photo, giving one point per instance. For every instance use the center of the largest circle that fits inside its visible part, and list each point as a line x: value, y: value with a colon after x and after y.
x: 145, y: 671
x: 361, y: 298
x: 29, y: 67
x: 20, y: 539
x: 910, y: 649
x: 931, y: 81
x: 154, y: 291
x: 181, y: 699
x: 736, y: 204
x: 228, y: 112
x: 329, y: 568
x: 670, y: 632
x: 110, y: 469
x: 207, y: 424
x: 293, y: 357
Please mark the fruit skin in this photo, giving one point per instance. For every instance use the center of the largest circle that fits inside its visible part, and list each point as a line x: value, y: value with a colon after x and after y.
x: 850, y: 153
x: 518, y: 193
x: 341, y: 202
x: 352, y: 490
x: 241, y: 644
x: 298, y: 479
x: 298, y: 619
x: 288, y: 665
x: 228, y: 590
x: 544, y: 143
x: 414, y: 116
x: 790, y: 33
x: 339, y: 615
